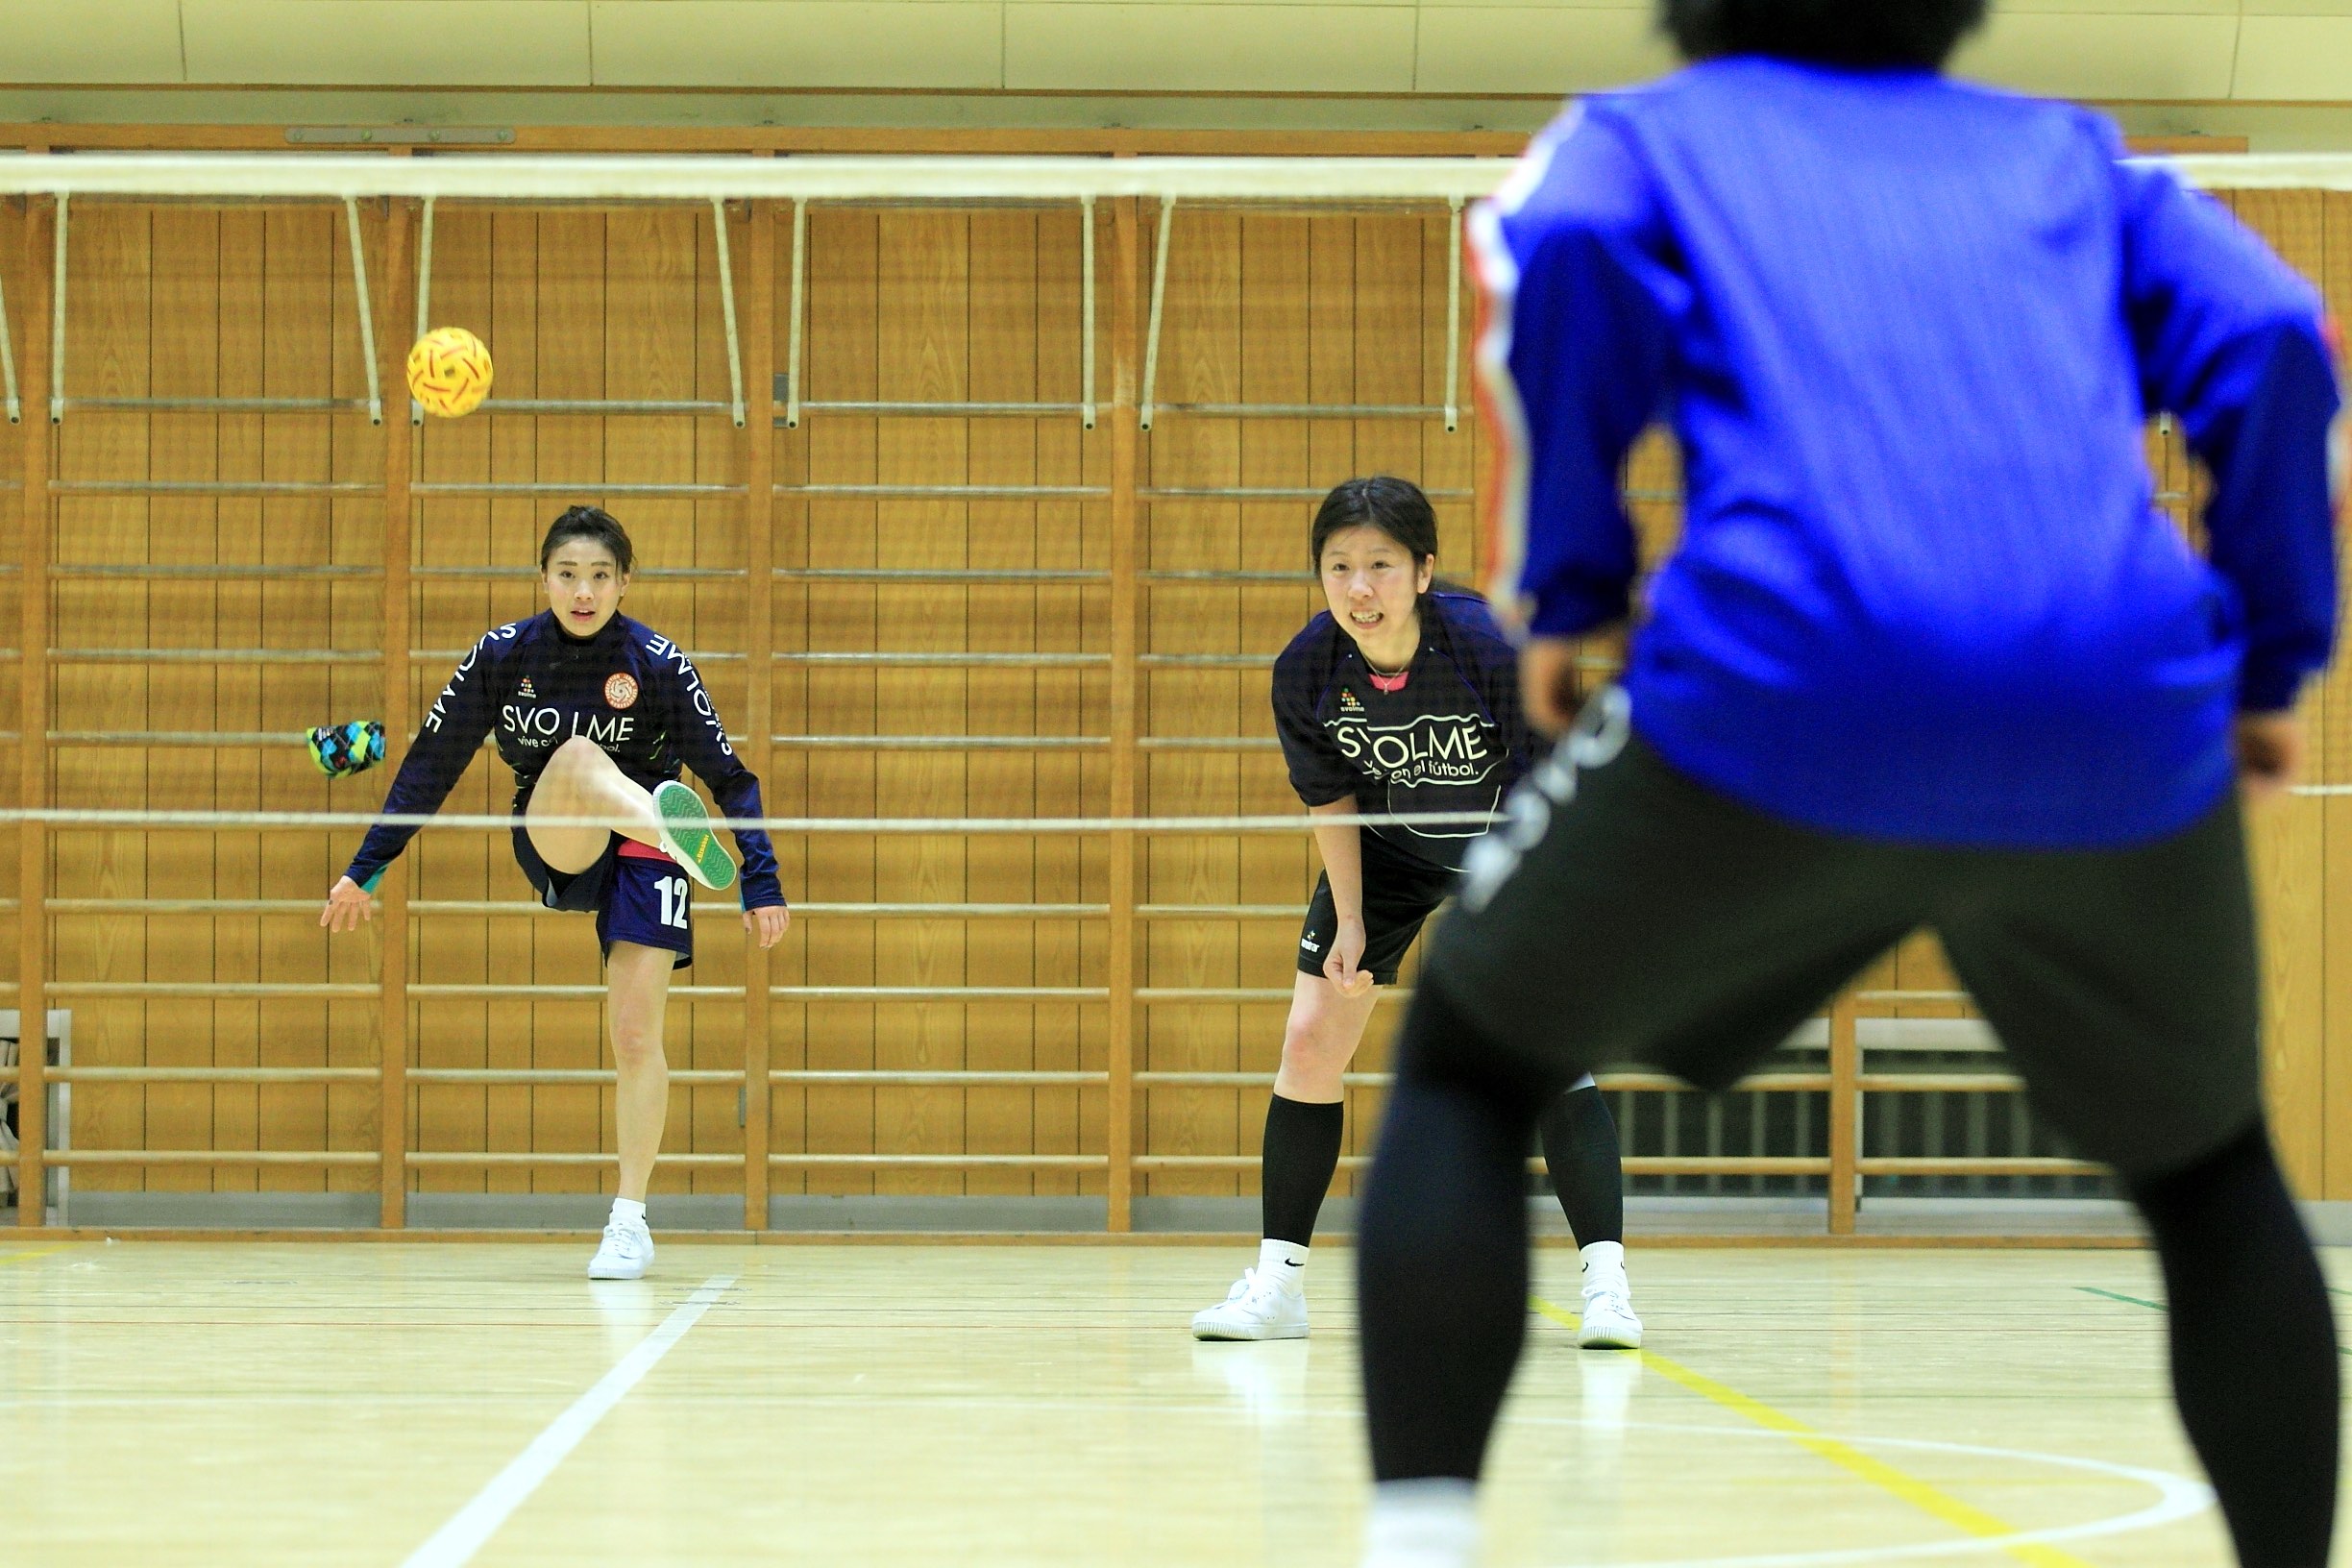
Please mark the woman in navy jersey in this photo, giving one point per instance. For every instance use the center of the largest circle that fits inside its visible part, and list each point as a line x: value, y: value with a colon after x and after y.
x: 594, y: 713
x: 1401, y: 698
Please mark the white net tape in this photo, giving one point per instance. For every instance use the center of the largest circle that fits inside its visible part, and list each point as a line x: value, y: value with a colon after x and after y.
x: 614, y: 177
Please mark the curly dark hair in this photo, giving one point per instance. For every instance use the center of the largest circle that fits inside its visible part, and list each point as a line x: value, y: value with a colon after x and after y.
x: 1919, y: 34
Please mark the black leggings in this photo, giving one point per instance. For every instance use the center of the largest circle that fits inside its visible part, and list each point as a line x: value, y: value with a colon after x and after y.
x: 1442, y: 1267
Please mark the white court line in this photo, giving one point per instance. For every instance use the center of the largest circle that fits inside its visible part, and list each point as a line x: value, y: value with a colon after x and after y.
x: 455, y: 1543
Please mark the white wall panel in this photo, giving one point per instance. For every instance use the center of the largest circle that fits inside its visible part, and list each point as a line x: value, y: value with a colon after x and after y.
x: 800, y: 43
x: 1522, y: 48
x: 1104, y: 46
x: 2303, y: 58
x: 89, y: 41
x: 2106, y: 55
x: 389, y: 42
x: 2291, y: 51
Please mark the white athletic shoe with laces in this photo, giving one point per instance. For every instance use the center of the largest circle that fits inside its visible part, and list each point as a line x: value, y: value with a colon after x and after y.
x: 1608, y: 1321
x: 1257, y: 1308
x: 626, y: 1252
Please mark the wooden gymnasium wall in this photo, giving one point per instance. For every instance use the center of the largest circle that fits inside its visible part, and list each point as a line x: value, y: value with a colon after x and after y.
x: 904, y: 305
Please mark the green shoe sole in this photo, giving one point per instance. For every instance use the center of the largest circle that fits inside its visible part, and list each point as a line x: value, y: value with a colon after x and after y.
x: 688, y: 837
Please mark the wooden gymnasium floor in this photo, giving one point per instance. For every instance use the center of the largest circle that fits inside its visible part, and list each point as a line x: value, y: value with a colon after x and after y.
x: 882, y: 1406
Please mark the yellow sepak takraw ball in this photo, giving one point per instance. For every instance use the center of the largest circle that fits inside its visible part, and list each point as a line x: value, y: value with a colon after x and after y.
x: 449, y: 372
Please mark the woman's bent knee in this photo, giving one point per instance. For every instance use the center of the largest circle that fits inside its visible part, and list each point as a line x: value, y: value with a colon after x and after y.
x: 575, y: 754
x: 1317, y: 1045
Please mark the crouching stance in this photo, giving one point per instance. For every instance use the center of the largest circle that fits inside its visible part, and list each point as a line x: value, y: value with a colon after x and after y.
x: 1401, y: 698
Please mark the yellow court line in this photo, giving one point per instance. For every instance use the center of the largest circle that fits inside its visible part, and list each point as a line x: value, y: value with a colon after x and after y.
x: 20, y: 1257
x: 1927, y: 1499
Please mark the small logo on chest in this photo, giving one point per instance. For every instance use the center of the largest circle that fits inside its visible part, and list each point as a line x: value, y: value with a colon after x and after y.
x: 1349, y: 701
x: 529, y: 690
x: 619, y: 691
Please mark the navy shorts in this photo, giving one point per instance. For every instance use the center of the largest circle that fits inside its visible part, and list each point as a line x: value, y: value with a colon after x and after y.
x: 1399, y: 891
x: 637, y: 894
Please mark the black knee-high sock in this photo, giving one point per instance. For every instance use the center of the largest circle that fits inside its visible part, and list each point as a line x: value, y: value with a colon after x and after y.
x: 2253, y: 1349
x: 1302, y: 1152
x: 1580, y: 1143
x: 1441, y: 1249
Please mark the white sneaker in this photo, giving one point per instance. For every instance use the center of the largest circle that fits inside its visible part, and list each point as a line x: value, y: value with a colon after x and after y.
x: 625, y: 1254
x: 1257, y: 1308
x: 1609, y: 1322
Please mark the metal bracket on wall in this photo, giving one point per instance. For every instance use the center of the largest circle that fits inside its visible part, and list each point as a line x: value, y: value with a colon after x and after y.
x: 597, y: 406
x: 789, y: 381
x: 8, y: 362
x: 1448, y: 410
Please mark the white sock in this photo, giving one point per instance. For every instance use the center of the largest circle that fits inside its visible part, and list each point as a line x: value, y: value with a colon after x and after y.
x: 1284, y: 1261
x: 1422, y: 1524
x: 1604, y: 1264
x: 629, y: 1209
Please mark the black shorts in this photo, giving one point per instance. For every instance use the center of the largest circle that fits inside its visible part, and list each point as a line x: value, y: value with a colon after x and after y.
x: 1399, y: 891
x: 644, y: 899
x: 1628, y: 913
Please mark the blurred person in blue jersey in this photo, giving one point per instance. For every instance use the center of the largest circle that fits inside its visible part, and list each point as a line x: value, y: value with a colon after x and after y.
x: 1927, y: 656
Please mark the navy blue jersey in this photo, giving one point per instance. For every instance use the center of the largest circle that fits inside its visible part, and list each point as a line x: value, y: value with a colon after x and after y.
x: 1909, y: 331
x: 1452, y: 738
x: 533, y: 685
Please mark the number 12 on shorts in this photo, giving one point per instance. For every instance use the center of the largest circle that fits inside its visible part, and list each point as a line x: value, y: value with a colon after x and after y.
x: 674, y: 901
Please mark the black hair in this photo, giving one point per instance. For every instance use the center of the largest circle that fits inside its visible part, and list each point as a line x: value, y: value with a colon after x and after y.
x: 1395, y: 506
x: 592, y: 522
x: 1916, y: 34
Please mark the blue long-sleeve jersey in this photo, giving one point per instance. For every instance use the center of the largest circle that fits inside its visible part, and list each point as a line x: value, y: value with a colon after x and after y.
x: 1908, y: 333
x: 535, y: 686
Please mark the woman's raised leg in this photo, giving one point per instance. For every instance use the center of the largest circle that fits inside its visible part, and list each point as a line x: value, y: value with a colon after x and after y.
x: 581, y: 781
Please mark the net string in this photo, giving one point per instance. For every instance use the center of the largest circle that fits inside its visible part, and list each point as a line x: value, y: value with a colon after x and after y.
x: 75, y: 816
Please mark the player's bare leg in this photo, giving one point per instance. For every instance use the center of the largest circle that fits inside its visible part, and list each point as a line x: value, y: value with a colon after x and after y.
x: 581, y: 781
x: 638, y: 991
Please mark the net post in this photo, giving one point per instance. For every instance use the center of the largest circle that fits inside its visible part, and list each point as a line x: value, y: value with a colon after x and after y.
x: 34, y: 637
x: 1845, y: 1112
x: 1126, y: 755
x: 392, y: 939
x: 758, y: 467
